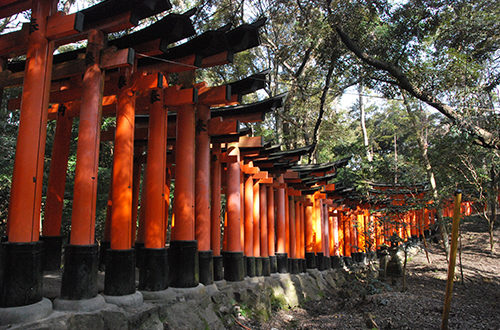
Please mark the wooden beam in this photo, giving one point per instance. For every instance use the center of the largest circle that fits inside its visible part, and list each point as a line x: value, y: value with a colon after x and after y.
x: 61, y: 25
x: 215, y: 95
x: 13, y: 7
x: 217, y: 59
x: 261, y: 175
x: 266, y: 180
x: 248, y: 169
x: 112, y: 58
x: 15, y: 43
x: 218, y: 126
x: 250, y: 141
x: 291, y: 175
x: 174, y: 96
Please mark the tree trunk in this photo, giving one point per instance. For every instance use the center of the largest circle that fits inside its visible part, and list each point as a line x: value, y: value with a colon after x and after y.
x: 395, y: 158
x: 324, y: 94
x: 493, y: 204
x: 422, y: 143
x: 369, y: 156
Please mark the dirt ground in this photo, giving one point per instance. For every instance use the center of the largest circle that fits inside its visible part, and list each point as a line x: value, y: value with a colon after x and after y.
x: 381, y: 304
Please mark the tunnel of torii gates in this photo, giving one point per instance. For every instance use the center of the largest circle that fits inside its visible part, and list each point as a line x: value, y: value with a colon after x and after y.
x: 280, y: 216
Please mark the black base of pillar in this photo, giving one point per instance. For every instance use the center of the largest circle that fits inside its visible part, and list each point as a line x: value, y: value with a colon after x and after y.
x: 335, y: 262
x: 250, y: 266
x: 103, y: 247
x: 258, y: 266
x: 183, y: 264
x: 282, y: 261
x: 303, y: 265
x: 328, y: 262
x: 52, y: 246
x: 414, y: 238
x: 21, y: 274
x: 266, y: 266
x: 427, y: 233
x: 206, y: 267
x: 273, y: 264
x: 310, y: 260
x: 355, y: 256
x: 119, y: 279
x: 79, y: 278
x: 139, y: 254
x: 153, y: 273
x: 233, y: 266
x: 294, y: 263
x: 320, y: 262
x: 347, y: 261
x: 218, y: 268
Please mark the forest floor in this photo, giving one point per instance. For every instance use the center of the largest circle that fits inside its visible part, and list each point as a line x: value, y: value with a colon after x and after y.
x: 383, y: 305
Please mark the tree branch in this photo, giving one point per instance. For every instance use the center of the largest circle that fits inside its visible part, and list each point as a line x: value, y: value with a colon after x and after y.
x: 321, y: 112
x: 484, y: 137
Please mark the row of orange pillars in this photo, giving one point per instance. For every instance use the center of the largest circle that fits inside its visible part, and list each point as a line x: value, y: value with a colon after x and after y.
x: 273, y: 221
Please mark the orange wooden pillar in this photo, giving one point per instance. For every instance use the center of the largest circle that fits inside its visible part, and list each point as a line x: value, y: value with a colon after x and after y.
x: 302, y: 238
x: 336, y: 232
x: 55, y: 192
x: 233, y: 255
x: 427, y: 222
x: 256, y: 228
x: 153, y: 274
x: 309, y: 233
x: 340, y: 222
x: 287, y: 223
x: 360, y: 241
x: 202, y: 189
x: 325, y: 230
x: 183, y: 251
x: 413, y: 224
x: 297, y: 235
x: 318, y: 232
x: 360, y: 232
x: 331, y: 240
x: 22, y: 281
x: 292, y: 260
x: 281, y: 255
x: 264, y: 248
x: 249, y: 226
x: 271, y: 241
x: 215, y: 215
x: 80, y: 265
x: 347, y: 235
x: 242, y: 208
x: 120, y: 259
x: 354, y: 233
